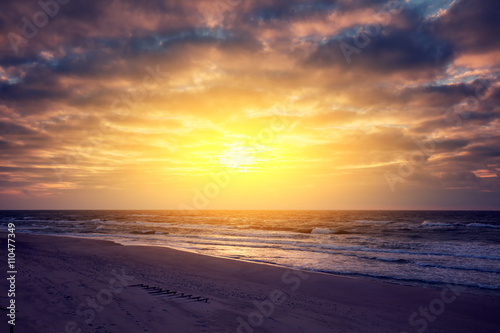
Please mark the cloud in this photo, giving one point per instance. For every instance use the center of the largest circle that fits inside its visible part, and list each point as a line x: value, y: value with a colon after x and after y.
x: 412, y: 50
x: 469, y: 25
x: 116, y: 93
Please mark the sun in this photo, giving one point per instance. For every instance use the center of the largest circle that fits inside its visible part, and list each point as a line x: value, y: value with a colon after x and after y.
x: 238, y: 157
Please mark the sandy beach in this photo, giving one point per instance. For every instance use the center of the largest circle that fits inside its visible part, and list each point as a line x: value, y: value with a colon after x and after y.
x: 81, y: 285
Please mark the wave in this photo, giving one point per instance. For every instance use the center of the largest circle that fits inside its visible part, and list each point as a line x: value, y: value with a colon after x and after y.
x: 436, y: 224
x: 305, y: 246
x: 377, y: 250
x: 482, y: 225
x: 410, y: 280
x: 321, y: 231
x: 144, y: 232
x: 474, y: 225
x: 482, y: 270
x: 394, y: 260
x: 324, y: 231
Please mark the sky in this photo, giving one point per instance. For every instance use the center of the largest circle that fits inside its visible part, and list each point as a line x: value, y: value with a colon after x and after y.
x: 249, y: 104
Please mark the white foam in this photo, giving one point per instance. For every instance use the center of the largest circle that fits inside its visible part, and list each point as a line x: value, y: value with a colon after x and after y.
x: 482, y: 225
x: 435, y: 224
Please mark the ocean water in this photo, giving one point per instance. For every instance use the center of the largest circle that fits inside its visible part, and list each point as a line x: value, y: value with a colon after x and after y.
x: 430, y: 248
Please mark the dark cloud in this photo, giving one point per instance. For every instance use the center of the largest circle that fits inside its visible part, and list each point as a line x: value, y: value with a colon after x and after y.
x: 460, y: 177
x: 11, y: 129
x: 471, y: 25
x: 478, y: 94
x: 264, y: 11
x: 413, y: 48
x: 486, y: 151
x: 9, y: 92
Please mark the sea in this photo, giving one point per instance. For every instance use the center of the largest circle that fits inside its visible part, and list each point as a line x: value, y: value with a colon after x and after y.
x: 426, y: 248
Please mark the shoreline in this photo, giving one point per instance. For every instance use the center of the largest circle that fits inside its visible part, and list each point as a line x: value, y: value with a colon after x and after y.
x: 436, y: 285
x: 65, y: 272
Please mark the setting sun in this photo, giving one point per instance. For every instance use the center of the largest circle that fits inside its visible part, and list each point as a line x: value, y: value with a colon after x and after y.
x: 239, y: 158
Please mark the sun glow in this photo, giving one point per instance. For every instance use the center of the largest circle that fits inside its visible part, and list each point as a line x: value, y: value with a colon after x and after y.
x: 238, y: 157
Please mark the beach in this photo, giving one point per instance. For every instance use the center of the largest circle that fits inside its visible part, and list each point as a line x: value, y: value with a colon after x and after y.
x: 68, y: 284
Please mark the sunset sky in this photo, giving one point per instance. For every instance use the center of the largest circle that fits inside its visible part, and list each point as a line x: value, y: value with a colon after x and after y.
x: 249, y: 104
